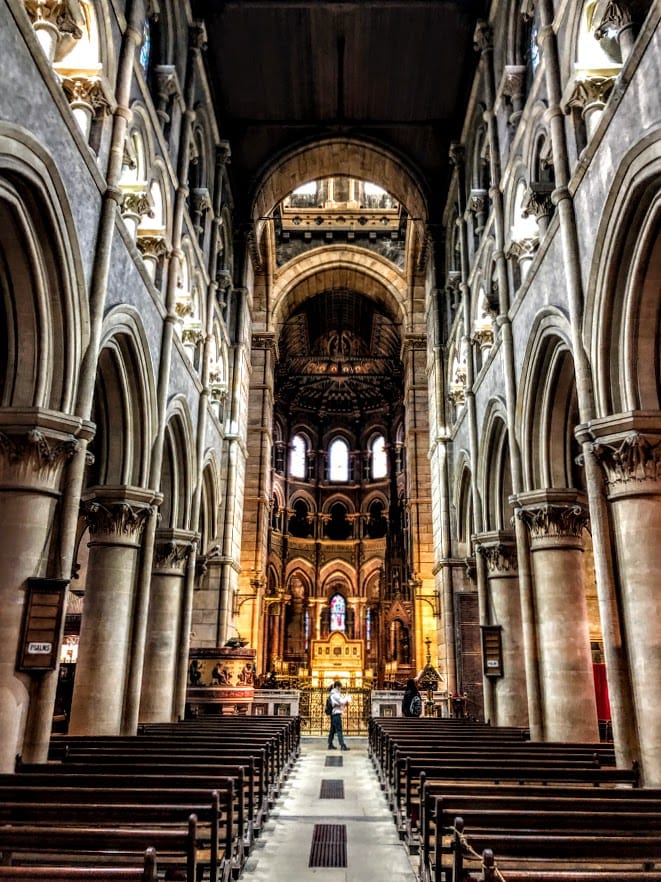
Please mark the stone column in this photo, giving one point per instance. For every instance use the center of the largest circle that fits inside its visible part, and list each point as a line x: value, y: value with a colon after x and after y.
x: 499, y: 551
x: 164, y: 622
x: 628, y: 447
x: 32, y: 460
x: 116, y: 518
x: 555, y: 520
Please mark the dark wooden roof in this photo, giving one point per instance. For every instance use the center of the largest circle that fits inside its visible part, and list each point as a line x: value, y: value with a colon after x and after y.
x: 285, y: 72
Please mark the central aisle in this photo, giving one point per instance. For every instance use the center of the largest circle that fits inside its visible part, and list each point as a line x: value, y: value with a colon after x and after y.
x: 373, y: 848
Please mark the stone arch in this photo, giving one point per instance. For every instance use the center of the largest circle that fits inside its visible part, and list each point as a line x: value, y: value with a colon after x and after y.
x: 464, y: 507
x: 549, y: 407
x: 347, y: 156
x: 178, y: 467
x: 624, y: 282
x: 124, y: 404
x: 47, y: 326
x: 338, y: 573
x: 494, y: 473
x: 209, y: 502
x: 340, y: 266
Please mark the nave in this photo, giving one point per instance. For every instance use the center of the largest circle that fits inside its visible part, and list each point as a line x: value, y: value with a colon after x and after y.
x: 357, y: 806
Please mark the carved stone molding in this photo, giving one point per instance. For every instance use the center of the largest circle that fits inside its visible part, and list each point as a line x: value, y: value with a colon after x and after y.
x: 414, y: 343
x: 253, y: 249
x: 34, y: 457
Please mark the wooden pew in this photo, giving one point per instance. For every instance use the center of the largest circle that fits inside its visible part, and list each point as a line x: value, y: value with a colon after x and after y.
x: 622, y: 851
x: 147, y: 774
x: 107, y: 800
x: 74, y: 873
x: 559, y: 798
x: 603, y: 875
x: 89, y: 846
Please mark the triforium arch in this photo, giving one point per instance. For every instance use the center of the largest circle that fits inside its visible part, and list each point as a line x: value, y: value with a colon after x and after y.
x: 625, y: 435
x: 553, y: 509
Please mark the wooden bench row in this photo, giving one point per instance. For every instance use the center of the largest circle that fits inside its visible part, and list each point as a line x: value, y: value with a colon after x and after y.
x: 196, y: 795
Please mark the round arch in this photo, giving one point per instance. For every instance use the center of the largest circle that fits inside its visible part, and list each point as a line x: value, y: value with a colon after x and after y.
x: 347, y: 156
x: 624, y: 282
x: 47, y: 328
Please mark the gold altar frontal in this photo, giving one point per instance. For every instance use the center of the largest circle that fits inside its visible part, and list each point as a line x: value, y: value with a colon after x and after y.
x: 338, y: 658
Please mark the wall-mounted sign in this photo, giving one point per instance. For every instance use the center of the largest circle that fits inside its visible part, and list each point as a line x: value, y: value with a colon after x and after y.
x: 44, y: 605
x: 492, y: 650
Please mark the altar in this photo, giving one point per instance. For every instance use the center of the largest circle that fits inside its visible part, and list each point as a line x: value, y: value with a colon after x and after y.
x: 338, y: 658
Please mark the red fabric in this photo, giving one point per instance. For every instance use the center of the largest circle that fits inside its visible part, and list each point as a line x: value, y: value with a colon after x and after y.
x: 601, y: 691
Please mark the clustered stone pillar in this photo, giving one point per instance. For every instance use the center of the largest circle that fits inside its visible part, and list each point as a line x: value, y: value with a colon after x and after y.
x: 116, y: 518
x: 32, y: 461
x: 628, y: 447
x: 555, y: 520
x: 499, y: 550
x: 164, y: 625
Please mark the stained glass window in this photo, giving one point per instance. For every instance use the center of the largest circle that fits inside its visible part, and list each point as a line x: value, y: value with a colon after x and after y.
x: 338, y: 613
x: 145, y: 48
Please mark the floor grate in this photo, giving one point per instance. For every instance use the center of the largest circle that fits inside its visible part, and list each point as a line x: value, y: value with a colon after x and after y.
x: 332, y: 789
x: 329, y: 846
x: 337, y: 761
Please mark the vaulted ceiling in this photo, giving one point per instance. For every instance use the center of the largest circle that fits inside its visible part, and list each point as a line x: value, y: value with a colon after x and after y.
x: 288, y: 72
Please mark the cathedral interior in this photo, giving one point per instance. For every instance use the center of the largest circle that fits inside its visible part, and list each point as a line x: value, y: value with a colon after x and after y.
x: 331, y: 347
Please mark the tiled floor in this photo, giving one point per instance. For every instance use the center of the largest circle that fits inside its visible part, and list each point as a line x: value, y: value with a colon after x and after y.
x: 374, y: 851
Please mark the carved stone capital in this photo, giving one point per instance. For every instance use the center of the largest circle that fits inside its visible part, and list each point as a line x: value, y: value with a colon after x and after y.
x: 537, y: 200
x: 200, y: 199
x: 523, y: 249
x: 632, y: 464
x: 478, y: 202
x: 33, y: 458
x: 172, y: 548
x: 167, y: 81
x: 457, y: 154
x: 197, y: 36
x: 224, y: 152
x: 223, y: 279
x: 89, y: 91
x: 154, y: 245
x: 614, y: 17
x: 484, y: 337
x: 499, y: 552
x: 553, y: 515
x: 115, y: 519
x: 513, y: 83
x: 55, y: 13
x: 483, y: 37
x: 136, y: 203
x: 192, y: 335
x: 265, y: 341
x: 457, y: 394
x: 588, y: 91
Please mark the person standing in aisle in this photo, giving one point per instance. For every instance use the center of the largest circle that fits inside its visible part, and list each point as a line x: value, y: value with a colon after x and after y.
x: 338, y: 702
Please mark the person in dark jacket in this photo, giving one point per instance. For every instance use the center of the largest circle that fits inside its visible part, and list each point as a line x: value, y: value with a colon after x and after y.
x: 412, y: 702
